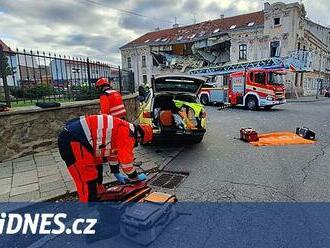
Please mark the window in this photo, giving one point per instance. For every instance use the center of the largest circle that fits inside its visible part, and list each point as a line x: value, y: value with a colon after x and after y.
x: 143, y: 61
x: 275, y: 49
x: 260, y: 78
x: 129, y: 62
x: 243, y: 51
x: 145, y: 79
x: 277, y: 21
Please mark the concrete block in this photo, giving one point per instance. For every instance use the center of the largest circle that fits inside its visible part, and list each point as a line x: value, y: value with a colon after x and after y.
x: 149, y: 165
x: 24, y: 189
x: 25, y: 158
x: 51, y: 178
x: 6, y: 171
x: 5, y: 185
x: 49, y: 186
x: 24, y: 178
x: 54, y: 193
x: 47, y: 170
x: 30, y: 196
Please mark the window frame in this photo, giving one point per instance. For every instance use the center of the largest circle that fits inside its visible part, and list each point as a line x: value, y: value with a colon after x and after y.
x: 144, y: 61
x: 129, y: 62
x: 279, y: 21
x: 242, y: 52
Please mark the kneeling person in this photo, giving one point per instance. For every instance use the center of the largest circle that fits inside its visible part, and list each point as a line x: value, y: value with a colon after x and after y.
x: 88, y: 141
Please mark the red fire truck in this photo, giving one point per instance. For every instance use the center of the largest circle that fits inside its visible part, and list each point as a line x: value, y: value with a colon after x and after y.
x: 251, y: 87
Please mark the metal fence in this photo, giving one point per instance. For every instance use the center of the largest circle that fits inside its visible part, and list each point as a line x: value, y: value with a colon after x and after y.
x: 32, y: 76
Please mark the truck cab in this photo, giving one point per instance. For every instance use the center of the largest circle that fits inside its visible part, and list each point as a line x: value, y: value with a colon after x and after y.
x: 256, y: 88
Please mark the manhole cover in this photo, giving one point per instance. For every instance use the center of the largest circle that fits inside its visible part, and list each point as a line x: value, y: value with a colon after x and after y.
x: 168, y: 180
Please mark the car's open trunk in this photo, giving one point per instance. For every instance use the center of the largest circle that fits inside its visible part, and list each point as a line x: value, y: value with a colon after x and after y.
x: 169, y: 117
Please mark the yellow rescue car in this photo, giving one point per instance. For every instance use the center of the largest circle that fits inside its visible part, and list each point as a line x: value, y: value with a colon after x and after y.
x: 173, y: 109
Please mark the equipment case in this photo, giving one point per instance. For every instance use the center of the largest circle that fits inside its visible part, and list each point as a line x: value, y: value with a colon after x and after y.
x: 248, y: 135
x: 144, y: 221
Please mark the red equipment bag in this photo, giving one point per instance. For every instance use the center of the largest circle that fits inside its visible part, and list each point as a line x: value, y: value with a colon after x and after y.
x: 248, y: 135
x: 126, y: 193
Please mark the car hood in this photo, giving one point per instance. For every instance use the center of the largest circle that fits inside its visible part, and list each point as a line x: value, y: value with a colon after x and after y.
x: 177, y: 84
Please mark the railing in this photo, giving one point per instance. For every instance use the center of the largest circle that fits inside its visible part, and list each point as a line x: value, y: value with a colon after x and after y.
x: 28, y: 77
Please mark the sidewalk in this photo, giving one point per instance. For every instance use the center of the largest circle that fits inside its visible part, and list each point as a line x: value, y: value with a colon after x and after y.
x: 44, y: 175
x: 307, y: 99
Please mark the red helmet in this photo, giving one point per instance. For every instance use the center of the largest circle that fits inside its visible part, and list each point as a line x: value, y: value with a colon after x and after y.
x: 146, y: 133
x: 102, y: 82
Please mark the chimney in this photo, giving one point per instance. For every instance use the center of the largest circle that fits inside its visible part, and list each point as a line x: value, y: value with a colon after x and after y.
x: 222, y: 16
x: 175, y: 25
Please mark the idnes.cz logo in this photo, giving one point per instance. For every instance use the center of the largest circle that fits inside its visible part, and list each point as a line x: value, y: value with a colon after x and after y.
x: 44, y: 223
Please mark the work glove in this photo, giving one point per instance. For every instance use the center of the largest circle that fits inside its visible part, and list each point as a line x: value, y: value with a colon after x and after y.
x: 121, y: 178
x: 141, y: 177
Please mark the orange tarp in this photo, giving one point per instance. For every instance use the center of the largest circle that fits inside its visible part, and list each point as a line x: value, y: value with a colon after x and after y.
x: 280, y: 139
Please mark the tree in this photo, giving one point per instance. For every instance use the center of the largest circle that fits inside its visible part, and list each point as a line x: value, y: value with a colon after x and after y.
x: 4, y: 63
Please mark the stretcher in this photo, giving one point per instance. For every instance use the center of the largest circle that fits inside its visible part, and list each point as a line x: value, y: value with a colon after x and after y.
x: 130, y: 192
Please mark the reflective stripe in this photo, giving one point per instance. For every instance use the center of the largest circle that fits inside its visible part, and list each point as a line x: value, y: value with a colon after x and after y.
x: 99, y: 135
x: 87, y: 132
x: 117, y: 107
x: 131, y: 127
x: 123, y: 111
x: 108, y: 136
x: 110, y: 91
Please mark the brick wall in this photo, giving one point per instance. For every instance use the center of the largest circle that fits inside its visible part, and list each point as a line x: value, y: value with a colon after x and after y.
x: 30, y: 130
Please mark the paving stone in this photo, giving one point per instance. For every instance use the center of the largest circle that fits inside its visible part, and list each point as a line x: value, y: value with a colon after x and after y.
x: 47, y: 170
x: 71, y: 187
x: 65, y: 175
x: 6, y: 164
x: 54, y: 193
x: 24, y: 189
x: 24, y: 168
x: 51, y: 178
x: 49, y: 186
x: 25, y: 158
x: 49, y: 162
x: 149, y: 165
x: 42, y: 154
x: 4, y: 197
x: 24, y: 178
x: 6, y: 171
x: 30, y: 196
x: 24, y: 163
x: 5, y: 185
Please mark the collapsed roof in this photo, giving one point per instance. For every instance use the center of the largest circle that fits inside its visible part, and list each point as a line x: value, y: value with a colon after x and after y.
x: 199, y: 31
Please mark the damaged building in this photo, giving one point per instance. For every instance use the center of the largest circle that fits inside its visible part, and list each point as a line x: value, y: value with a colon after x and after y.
x: 279, y: 30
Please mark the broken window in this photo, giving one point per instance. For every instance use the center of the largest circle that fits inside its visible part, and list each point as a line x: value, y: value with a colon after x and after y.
x: 277, y: 21
x: 129, y: 62
x: 143, y: 61
x: 243, y: 51
x: 274, y: 49
x: 158, y: 59
x: 144, y: 79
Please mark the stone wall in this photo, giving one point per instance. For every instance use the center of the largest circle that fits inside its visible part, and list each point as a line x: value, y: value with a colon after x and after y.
x: 29, y: 130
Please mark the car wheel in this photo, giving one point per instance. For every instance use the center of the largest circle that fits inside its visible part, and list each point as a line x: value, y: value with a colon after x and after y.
x: 204, y: 99
x: 251, y: 103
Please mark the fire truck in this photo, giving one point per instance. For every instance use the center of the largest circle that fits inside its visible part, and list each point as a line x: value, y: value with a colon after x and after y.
x: 251, y: 84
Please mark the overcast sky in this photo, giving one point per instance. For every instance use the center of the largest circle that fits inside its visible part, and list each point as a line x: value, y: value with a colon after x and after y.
x: 97, y: 28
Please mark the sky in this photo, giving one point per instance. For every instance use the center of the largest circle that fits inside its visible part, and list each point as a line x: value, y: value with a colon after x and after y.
x: 98, y: 28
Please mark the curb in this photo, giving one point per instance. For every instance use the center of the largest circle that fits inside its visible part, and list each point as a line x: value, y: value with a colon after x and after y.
x: 300, y: 101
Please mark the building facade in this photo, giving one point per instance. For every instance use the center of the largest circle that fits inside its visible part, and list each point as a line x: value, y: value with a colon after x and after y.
x: 279, y: 30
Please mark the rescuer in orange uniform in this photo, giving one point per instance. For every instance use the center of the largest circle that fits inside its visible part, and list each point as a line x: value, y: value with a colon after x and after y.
x: 88, y: 141
x: 111, y: 102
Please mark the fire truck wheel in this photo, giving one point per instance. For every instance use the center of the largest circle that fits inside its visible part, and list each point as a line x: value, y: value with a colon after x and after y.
x: 251, y: 103
x: 204, y: 99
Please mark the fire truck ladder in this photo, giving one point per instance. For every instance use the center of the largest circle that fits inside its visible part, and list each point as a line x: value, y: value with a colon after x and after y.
x: 270, y: 63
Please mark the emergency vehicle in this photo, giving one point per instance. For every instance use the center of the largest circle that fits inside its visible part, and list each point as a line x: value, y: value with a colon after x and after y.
x: 251, y: 84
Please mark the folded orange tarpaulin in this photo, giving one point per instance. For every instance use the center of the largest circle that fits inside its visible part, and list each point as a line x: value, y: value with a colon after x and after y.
x: 280, y: 139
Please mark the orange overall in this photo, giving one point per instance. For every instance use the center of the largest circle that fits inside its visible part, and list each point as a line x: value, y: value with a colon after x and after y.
x: 88, y: 141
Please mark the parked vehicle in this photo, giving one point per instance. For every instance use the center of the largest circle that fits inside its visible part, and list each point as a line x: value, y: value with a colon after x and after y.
x: 172, y: 107
x: 252, y: 89
x: 327, y: 92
